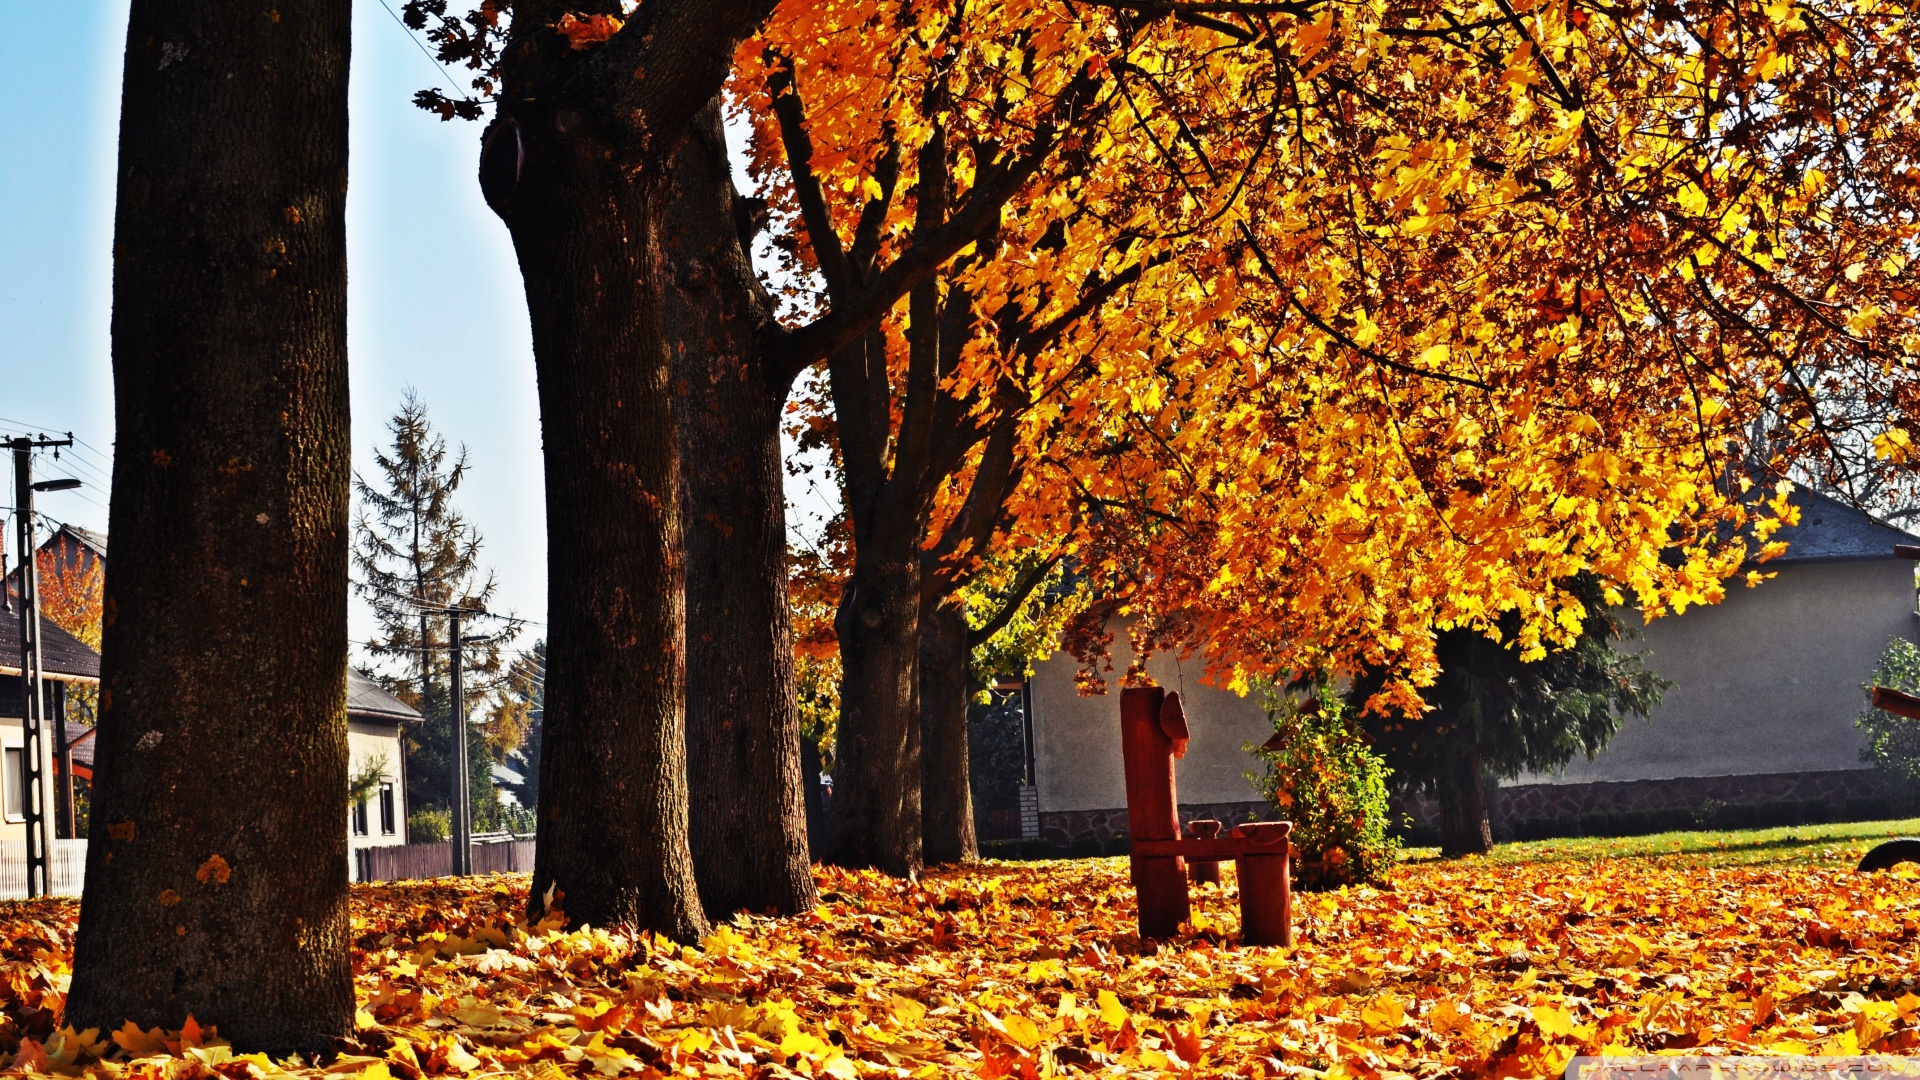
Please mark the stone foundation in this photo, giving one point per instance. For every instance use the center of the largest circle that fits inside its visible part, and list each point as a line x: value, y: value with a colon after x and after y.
x: 1637, y: 807
x: 1542, y: 811
x: 1081, y: 833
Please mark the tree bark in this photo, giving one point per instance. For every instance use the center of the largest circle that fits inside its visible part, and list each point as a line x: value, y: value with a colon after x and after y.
x: 217, y: 879
x: 876, y: 773
x: 947, y: 828
x: 1464, y: 827
x: 748, y: 824
x: 576, y: 163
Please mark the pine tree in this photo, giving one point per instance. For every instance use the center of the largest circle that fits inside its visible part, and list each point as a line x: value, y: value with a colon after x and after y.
x: 1493, y: 714
x: 414, y: 556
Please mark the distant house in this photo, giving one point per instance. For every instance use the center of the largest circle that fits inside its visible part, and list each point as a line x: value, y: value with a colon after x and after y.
x: 69, y: 546
x: 1766, y: 689
x: 66, y: 663
x: 373, y: 717
x: 1760, y: 719
x: 373, y: 736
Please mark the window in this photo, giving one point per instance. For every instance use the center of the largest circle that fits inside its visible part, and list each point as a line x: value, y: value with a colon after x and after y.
x: 387, y: 823
x: 360, y: 818
x: 15, y: 783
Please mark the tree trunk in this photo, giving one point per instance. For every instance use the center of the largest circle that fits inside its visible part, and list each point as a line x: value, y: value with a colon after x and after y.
x: 945, y: 688
x: 585, y: 216
x: 747, y: 824
x: 876, y: 771
x: 217, y: 878
x: 1464, y: 828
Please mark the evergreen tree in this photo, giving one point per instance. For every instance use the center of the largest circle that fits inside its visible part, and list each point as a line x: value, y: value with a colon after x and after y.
x: 1492, y: 714
x: 414, y: 556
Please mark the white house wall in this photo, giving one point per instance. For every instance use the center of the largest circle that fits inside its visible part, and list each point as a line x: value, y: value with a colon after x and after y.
x: 1076, y: 740
x: 368, y: 741
x: 1767, y: 681
x: 365, y: 741
x: 13, y: 827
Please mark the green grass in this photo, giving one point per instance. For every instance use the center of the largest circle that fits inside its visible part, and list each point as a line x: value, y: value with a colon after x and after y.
x: 1816, y: 845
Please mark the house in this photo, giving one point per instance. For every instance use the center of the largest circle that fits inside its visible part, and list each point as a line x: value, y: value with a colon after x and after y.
x: 373, y: 715
x: 67, y: 664
x: 1760, y: 718
x: 1767, y: 684
x: 69, y: 546
x: 373, y: 739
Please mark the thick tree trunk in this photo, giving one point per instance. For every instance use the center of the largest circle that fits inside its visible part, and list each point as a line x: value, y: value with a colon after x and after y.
x: 576, y: 163
x: 585, y: 216
x: 876, y: 771
x: 747, y: 824
x: 947, y: 795
x: 1464, y: 828
x: 217, y: 875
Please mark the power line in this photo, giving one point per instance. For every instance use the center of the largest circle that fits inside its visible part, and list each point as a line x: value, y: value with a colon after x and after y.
x: 442, y: 609
x: 431, y: 59
x: 25, y: 428
x: 68, y: 459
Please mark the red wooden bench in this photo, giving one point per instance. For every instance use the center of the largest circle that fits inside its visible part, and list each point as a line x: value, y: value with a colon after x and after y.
x: 1153, y: 733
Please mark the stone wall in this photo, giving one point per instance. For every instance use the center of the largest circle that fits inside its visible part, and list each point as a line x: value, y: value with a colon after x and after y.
x: 1633, y: 807
x: 1079, y: 833
x: 1541, y: 811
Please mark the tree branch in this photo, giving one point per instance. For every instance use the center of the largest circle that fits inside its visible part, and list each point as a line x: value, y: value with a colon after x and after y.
x: 1022, y: 589
x: 976, y: 218
x: 667, y: 62
x: 828, y: 252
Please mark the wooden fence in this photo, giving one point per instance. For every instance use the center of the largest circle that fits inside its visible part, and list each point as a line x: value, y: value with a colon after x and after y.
x: 69, y: 868
x: 401, y: 862
x: 410, y: 862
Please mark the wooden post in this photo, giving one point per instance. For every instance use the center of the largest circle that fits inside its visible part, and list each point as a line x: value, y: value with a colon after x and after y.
x: 1266, y: 893
x: 1153, y: 811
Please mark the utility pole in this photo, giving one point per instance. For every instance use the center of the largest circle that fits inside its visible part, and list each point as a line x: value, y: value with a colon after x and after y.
x: 36, y: 760
x: 462, y: 790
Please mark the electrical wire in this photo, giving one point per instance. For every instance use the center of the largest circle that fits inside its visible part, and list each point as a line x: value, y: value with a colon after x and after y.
x: 431, y: 59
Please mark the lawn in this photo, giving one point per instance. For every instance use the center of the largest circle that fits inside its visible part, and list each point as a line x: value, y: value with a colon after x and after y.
x: 1813, y: 845
x: 1761, y: 942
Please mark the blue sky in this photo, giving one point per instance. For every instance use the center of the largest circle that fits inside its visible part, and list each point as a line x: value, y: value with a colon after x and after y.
x: 434, y: 298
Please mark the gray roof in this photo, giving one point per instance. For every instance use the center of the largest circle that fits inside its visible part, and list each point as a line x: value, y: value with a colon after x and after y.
x: 1830, y: 529
x: 366, y: 700
x: 62, y: 656
x: 95, y: 540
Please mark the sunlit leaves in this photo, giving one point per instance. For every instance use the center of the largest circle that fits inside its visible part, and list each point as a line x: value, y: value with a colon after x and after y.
x: 1034, y: 970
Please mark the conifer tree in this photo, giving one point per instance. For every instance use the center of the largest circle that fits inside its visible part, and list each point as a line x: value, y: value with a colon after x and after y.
x: 414, y: 556
x: 1492, y: 713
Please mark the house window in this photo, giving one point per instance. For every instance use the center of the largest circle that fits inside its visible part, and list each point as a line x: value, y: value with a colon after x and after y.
x: 15, y: 783
x: 360, y: 818
x: 387, y: 823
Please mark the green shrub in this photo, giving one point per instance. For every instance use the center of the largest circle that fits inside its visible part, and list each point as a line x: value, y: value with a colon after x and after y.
x: 1323, y: 777
x: 517, y: 819
x: 431, y: 826
x: 1893, y: 742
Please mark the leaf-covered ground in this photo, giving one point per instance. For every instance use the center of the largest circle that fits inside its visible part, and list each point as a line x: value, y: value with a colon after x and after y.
x: 1466, y: 968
